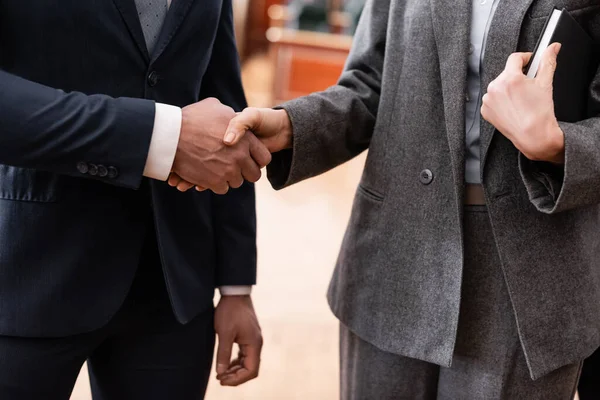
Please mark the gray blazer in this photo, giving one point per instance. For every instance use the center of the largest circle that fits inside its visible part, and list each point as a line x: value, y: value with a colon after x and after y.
x: 401, y: 95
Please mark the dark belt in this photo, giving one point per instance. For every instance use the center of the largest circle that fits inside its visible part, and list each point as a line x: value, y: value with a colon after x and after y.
x: 474, y: 195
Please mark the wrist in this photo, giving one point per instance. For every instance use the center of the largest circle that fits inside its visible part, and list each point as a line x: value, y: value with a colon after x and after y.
x: 556, y: 145
x: 286, y: 133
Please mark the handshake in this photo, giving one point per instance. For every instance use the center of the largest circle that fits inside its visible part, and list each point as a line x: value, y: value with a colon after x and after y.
x: 214, y: 151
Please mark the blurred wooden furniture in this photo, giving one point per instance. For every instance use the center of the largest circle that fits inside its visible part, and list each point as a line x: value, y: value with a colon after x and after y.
x: 305, y: 61
x: 257, y: 23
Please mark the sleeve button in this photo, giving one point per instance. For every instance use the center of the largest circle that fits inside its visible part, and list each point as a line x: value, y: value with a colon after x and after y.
x: 113, y: 172
x: 93, y: 170
x: 82, y: 167
x: 102, y: 171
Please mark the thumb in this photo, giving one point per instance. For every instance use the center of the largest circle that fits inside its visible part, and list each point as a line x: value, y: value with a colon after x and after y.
x: 224, y: 353
x: 247, y: 120
x: 545, y: 75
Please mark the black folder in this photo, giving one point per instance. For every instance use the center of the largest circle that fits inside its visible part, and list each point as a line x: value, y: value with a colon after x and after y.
x: 577, y: 64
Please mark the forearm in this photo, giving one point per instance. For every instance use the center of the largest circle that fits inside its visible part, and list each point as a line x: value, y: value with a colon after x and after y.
x: 45, y: 128
x: 556, y: 188
x: 333, y: 126
x: 328, y: 129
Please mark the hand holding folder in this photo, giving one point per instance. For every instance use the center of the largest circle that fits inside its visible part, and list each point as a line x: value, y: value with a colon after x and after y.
x: 527, y: 107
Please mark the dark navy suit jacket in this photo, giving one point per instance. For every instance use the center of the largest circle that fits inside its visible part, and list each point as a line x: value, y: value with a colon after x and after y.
x: 72, y: 217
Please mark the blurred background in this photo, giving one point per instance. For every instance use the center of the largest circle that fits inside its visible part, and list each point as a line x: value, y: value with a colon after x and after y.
x: 289, y: 49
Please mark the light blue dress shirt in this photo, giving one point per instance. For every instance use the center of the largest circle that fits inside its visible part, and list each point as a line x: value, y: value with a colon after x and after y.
x: 483, y: 12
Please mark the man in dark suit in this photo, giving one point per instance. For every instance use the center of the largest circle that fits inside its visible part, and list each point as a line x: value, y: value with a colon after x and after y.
x: 91, y: 269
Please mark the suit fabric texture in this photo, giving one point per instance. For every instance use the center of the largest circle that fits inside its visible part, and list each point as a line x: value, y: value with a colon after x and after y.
x: 398, y: 279
x: 72, y: 223
x: 488, y: 362
x: 142, y: 353
x: 97, y: 263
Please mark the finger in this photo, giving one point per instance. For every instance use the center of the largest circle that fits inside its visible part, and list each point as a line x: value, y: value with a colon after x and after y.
x: 220, y: 189
x: 250, y: 170
x: 259, y: 151
x: 224, y: 353
x: 248, y: 119
x: 184, y: 186
x: 517, y: 61
x: 251, y: 365
x: 232, y: 370
x: 545, y: 75
x: 200, y: 189
x: 174, y: 179
x: 485, y: 108
x: 236, y: 183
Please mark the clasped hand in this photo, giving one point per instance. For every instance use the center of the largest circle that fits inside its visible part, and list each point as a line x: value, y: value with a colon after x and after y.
x: 204, y: 160
x: 215, y: 152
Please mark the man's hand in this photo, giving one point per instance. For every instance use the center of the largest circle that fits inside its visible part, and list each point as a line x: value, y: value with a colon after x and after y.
x: 203, y: 159
x: 522, y: 109
x: 272, y: 127
x: 236, y: 322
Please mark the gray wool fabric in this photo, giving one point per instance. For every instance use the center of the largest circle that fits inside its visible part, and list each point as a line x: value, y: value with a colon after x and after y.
x: 152, y: 15
x: 397, y: 283
x: 488, y: 361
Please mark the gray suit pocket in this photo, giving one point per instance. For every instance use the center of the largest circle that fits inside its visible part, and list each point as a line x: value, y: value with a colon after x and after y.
x: 370, y: 193
x: 23, y: 184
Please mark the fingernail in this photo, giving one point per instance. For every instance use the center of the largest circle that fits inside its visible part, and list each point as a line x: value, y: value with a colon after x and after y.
x: 229, y: 137
x: 557, y: 48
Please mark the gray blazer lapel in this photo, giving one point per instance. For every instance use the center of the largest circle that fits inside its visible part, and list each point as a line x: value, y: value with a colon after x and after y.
x: 503, y: 39
x: 452, y: 24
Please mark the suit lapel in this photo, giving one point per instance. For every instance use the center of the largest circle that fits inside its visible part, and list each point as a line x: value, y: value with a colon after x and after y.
x: 452, y: 24
x: 179, y: 9
x: 130, y: 16
x: 503, y: 39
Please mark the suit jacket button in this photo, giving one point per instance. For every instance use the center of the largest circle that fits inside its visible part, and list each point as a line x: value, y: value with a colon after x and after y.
x: 82, y: 167
x: 426, y: 177
x: 102, y: 171
x: 113, y: 172
x: 93, y: 171
x: 153, y: 78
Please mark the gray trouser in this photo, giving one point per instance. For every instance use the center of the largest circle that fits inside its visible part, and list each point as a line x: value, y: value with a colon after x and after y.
x: 488, y: 359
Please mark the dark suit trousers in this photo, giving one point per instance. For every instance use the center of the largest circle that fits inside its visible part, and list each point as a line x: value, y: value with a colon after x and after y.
x: 589, y: 384
x: 142, y: 353
x: 488, y: 363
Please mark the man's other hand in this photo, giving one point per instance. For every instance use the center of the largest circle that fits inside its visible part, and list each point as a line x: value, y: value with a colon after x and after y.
x: 203, y: 160
x: 236, y: 322
x: 522, y: 109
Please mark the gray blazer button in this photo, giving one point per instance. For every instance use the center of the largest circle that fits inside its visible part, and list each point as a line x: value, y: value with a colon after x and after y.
x: 102, y: 171
x: 82, y: 167
x: 93, y: 171
x: 426, y: 177
x: 113, y: 172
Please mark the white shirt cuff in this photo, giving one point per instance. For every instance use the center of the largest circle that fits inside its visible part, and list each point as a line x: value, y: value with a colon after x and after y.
x: 163, y: 145
x: 235, y: 290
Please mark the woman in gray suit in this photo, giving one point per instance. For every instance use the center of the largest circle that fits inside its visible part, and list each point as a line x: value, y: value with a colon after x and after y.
x: 470, y: 265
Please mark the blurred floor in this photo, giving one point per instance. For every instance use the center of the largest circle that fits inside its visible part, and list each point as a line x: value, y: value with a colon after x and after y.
x: 299, y: 233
